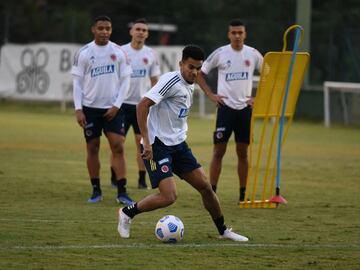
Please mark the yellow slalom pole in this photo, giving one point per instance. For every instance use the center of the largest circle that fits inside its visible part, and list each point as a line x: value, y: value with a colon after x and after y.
x: 274, y: 86
x: 278, y: 198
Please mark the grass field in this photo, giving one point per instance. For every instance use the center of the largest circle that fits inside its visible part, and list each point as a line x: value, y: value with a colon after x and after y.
x: 45, y: 222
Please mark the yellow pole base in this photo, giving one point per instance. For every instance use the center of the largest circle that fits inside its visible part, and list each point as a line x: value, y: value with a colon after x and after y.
x: 258, y: 204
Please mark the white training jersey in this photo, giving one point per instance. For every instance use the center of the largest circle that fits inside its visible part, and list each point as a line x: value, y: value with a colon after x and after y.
x: 101, y: 69
x: 235, y: 73
x: 167, y: 118
x: 144, y: 64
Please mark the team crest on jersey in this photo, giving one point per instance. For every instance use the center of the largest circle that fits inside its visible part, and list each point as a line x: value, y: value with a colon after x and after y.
x: 92, y: 59
x: 113, y: 57
x: 247, y: 63
x: 164, y: 168
x: 145, y: 60
x: 219, y: 135
x: 88, y: 133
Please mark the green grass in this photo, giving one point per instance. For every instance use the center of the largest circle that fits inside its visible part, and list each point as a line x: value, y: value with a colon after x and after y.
x: 45, y: 222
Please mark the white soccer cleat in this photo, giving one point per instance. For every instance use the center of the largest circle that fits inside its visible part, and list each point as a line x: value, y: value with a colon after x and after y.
x: 229, y: 234
x: 124, y: 224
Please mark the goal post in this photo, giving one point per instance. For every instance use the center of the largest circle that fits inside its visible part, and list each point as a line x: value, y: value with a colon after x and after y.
x: 342, y: 87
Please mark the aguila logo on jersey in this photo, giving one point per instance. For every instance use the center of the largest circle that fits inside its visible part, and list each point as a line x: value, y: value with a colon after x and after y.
x: 102, y: 70
x: 247, y: 63
x: 137, y: 73
x: 235, y: 76
x: 146, y: 61
x: 113, y: 57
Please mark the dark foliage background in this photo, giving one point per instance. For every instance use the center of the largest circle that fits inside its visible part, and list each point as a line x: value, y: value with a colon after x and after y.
x: 335, y: 30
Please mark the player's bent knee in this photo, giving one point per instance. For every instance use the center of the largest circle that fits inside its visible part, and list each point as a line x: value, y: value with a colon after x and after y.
x: 172, y: 198
x: 169, y: 199
x: 205, y: 188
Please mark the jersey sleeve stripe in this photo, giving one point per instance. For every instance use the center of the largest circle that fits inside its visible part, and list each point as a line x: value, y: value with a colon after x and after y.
x: 168, y: 85
x: 77, y: 55
x: 213, y: 54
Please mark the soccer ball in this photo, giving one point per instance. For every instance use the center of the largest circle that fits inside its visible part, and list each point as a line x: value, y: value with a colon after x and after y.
x: 169, y: 229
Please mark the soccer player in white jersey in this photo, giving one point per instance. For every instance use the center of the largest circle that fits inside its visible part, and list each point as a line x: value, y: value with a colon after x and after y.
x: 236, y: 63
x: 162, y: 117
x: 101, y: 78
x: 146, y: 71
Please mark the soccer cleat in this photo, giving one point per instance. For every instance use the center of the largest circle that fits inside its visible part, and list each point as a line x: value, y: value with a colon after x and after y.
x: 229, y: 234
x: 124, y: 199
x: 124, y: 224
x: 95, y: 197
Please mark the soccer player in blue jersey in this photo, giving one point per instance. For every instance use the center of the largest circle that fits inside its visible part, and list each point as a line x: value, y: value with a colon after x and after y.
x: 162, y: 117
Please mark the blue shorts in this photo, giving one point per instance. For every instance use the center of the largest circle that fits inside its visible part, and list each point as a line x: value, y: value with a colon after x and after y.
x: 229, y: 120
x: 96, y: 123
x: 128, y: 112
x: 167, y: 160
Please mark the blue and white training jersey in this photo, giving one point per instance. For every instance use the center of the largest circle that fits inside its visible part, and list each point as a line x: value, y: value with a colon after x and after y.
x: 145, y: 64
x: 101, y: 68
x: 167, y: 119
x: 235, y: 73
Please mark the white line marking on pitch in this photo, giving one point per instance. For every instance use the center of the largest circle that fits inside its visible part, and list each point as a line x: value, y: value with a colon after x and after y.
x: 149, y: 246
x: 34, y: 220
x: 210, y: 245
